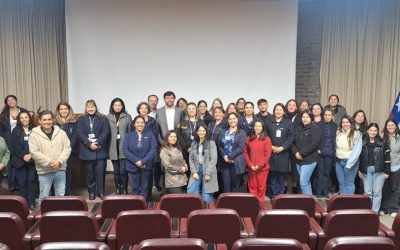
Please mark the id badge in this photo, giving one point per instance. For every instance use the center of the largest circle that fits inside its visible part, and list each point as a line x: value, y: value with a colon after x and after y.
x: 118, y: 136
x: 192, y: 137
x: 26, y: 138
x: 92, y: 137
x: 278, y: 133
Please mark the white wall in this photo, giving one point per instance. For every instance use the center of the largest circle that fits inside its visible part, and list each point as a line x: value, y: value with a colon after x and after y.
x: 200, y: 49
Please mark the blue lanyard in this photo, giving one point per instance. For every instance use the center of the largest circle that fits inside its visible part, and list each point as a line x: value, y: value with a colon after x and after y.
x: 91, y: 123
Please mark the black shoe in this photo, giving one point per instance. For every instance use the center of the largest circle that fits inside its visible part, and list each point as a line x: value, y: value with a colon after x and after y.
x: 159, y: 188
x: 32, y: 208
x: 295, y: 190
x: 118, y: 191
x: 101, y: 196
x: 92, y: 197
x: 125, y: 191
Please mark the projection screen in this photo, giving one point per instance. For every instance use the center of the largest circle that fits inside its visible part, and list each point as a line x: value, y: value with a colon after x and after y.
x: 200, y: 49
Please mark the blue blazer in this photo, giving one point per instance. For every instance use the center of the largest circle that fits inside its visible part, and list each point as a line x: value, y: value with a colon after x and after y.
x: 101, y: 129
x: 237, y: 151
x: 19, y: 148
x: 146, y: 153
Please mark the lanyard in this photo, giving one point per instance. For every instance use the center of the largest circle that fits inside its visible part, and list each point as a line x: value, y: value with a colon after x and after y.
x: 91, y: 123
x: 190, y: 127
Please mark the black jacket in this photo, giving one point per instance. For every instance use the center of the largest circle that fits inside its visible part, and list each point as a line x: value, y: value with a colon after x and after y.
x: 5, y: 127
x: 19, y: 147
x: 306, y: 143
x: 213, y: 131
x: 326, y: 129
x: 381, y: 156
x: 70, y: 129
x: 183, y: 130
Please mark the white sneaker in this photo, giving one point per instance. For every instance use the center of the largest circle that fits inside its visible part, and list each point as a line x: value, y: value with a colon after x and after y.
x: 393, y: 214
x: 381, y: 213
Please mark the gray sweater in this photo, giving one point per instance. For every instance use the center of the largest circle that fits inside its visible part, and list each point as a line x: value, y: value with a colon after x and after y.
x: 395, y: 151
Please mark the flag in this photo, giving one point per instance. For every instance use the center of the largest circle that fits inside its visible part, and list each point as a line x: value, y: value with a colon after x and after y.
x: 395, y: 114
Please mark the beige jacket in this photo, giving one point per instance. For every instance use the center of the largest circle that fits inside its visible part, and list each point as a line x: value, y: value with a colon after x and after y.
x: 172, y: 161
x: 43, y: 150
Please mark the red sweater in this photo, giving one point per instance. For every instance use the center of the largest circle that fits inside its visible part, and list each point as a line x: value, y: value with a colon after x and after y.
x: 257, y: 153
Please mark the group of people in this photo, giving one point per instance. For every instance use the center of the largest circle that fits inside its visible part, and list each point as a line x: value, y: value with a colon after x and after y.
x: 186, y: 147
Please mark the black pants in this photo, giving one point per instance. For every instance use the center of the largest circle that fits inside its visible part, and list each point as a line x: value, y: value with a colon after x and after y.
x: 157, y: 172
x: 95, y: 176
x: 391, y: 193
x: 324, y: 167
x: 176, y: 190
x: 230, y: 178
x: 141, y: 183
x: 27, y: 178
x: 276, y: 183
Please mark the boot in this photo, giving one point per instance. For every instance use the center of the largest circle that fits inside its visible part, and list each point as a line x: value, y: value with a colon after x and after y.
x: 118, y: 189
x: 124, y: 190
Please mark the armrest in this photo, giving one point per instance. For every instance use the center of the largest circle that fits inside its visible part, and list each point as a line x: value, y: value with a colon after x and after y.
x: 221, y: 247
x: 322, y: 211
x: 95, y: 208
x: 175, y: 223
x: 387, y: 231
x: 157, y: 206
x: 264, y: 205
x: 151, y: 205
x: 31, y: 218
x: 126, y: 247
x: 98, y: 216
x: 183, y: 228
x: 248, y: 224
x: 28, y: 237
x: 211, y: 204
x: 105, y: 230
x: 112, y: 237
x: 243, y: 232
x: 317, y: 236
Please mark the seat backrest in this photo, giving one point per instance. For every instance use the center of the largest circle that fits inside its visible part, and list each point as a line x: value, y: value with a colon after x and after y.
x: 351, y: 222
x: 15, y: 204
x: 4, y: 247
x: 132, y: 227
x: 11, y: 230
x: 264, y: 243
x: 81, y: 245
x: 295, y: 201
x: 172, y: 244
x: 67, y: 226
x: 396, y: 230
x: 112, y: 205
x: 360, y: 242
x: 180, y: 205
x: 283, y: 223
x: 220, y: 225
x: 63, y: 203
x: 245, y: 204
x: 348, y: 201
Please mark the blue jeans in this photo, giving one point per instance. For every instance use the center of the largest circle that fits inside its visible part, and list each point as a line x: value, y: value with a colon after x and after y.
x: 346, y: 176
x: 199, y: 184
x: 373, y: 184
x: 54, y: 178
x: 305, y: 172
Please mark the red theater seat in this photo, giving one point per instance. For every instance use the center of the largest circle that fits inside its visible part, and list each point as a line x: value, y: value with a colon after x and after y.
x: 132, y: 227
x: 82, y: 245
x: 360, y: 243
x: 173, y: 244
x: 60, y: 226
x: 16, y: 204
x: 299, y: 201
x: 179, y: 206
x: 288, y: 223
x: 12, y: 231
x: 349, y: 222
x: 215, y: 226
x: 265, y: 243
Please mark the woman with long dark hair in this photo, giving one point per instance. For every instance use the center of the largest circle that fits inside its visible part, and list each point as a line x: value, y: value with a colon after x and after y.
x: 338, y: 110
x: 120, y: 125
x: 94, y: 135
x: 22, y: 159
x: 293, y: 113
x: 203, y: 160
x: 360, y: 121
x: 246, y: 122
x: 348, y: 149
x: 232, y: 163
x: 203, y: 114
x: 240, y: 104
x: 65, y: 119
x: 8, y: 121
x: 391, y: 188
x: 140, y: 148
x: 257, y: 153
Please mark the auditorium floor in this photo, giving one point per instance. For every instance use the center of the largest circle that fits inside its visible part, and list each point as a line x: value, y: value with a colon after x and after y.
x: 385, y: 219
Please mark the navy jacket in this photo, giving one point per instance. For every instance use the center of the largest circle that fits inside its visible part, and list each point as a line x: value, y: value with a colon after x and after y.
x: 280, y: 162
x: 145, y: 153
x: 237, y: 151
x: 152, y: 126
x: 327, y: 144
x: 101, y: 129
x: 19, y: 148
x: 213, y: 131
x: 70, y: 130
x: 245, y: 126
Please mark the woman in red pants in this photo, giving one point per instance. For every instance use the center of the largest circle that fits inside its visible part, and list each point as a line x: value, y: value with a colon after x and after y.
x: 257, y: 153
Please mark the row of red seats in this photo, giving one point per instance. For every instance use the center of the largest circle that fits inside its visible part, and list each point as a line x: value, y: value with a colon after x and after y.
x: 339, y: 243
x: 246, y: 218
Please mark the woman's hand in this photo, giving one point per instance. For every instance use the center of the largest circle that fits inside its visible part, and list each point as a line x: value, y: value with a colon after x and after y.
x: 298, y: 156
x: 385, y: 176
x: 27, y: 158
x: 207, y: 177
x: 360, y: 174
x: 94, y: 146
x: 195, y: 176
